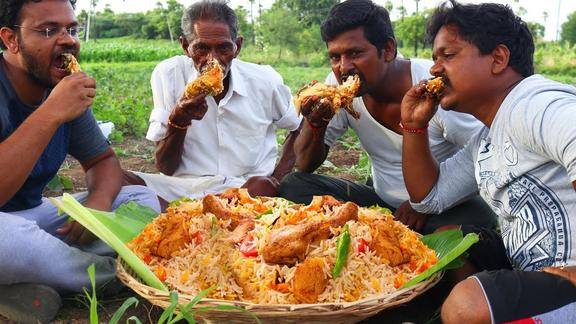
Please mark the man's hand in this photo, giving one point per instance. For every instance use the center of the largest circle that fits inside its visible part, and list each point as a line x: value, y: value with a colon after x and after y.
x: 418, y: 106
x: 409, y: 217
x: 568, y: 273
x: 317, y: 111
x: 76, y: 234
x: 70, y: 98
x: 189, y: 109
x: 262, y: 186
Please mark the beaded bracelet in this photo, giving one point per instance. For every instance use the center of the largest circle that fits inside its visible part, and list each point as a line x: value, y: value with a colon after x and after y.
x: 172, y: 124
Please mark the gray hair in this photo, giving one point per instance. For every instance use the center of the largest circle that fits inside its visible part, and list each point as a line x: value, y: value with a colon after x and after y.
x: 214, y: 10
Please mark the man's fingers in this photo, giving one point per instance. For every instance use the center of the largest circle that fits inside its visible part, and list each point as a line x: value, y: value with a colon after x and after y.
x: 91, y: 92
x: 420, y: 223
x: 74, y: 233
x: 86, y: 237
x: 64, y: 230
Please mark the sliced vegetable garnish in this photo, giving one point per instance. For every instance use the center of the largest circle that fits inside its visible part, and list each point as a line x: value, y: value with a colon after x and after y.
x: 178, y: 202
x: 249, y: 246
x: 342, y: 245
x: 449, y: 245
x: 268, y: 212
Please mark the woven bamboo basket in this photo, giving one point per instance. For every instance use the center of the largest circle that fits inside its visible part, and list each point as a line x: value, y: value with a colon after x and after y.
x: 285, y: 313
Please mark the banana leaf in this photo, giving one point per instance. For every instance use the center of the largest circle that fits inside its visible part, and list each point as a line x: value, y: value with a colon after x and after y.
x: 100, y: 225
x: 127, y: 221
x: 449, y: 245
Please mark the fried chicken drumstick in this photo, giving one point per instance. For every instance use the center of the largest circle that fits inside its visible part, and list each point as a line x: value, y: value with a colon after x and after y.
x: 209, y: 82
x: 338, y: 96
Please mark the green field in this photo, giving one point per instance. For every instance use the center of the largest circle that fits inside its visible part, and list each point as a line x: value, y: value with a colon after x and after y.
x: 125, y: 98
x: 122, y: 68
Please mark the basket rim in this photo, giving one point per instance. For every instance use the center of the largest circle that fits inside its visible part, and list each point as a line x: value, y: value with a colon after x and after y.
x: 382, y: 300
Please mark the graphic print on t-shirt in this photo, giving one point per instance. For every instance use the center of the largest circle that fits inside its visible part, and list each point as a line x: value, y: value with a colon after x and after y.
x: 534, y: 221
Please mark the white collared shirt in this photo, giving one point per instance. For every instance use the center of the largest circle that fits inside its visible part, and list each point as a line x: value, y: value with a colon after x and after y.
x: 237, y: 137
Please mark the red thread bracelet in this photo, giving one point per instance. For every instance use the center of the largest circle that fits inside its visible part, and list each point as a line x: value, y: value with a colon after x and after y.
x: 413, y: 130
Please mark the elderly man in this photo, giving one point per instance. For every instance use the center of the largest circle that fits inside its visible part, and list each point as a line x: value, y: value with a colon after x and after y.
x: 209, y: 143
x: 523, y: 163
x: 360, y: 41
x: 45, y: 115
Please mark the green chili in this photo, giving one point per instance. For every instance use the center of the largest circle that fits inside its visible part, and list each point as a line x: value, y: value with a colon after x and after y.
x: 342, y: 245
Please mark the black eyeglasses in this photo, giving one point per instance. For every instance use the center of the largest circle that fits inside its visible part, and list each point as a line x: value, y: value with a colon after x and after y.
x: 51, y: 32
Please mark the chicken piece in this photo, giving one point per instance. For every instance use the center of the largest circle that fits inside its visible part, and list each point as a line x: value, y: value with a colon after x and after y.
x: 338, y: 96
x: 174, y: 236
x: 289, y: 244
x: 211, y: 204
x: 435, y: 86
x: 70, y: 63
x: 309, y: 280
x: 386, y: 245
x: 240, y: 194
x: 320, y: 201
x: 210, y: 81
x: 239, y: 233
x: 348, y: 211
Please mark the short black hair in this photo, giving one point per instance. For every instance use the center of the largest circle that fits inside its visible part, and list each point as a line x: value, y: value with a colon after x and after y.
x: 215, y: 10
x: 10, y: 13
x: 352, y: 14
x: 486, y: 26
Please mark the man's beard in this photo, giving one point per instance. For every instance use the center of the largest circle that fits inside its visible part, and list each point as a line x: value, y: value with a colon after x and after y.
x: 34, y: 69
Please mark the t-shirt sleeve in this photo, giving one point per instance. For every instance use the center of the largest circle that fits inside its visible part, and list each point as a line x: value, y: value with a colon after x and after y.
x: 86, y: 138
x: 283, y: 108
x: 164, y: 100
x: 456, y: 182
x: 457, y: 128
x: 550, y: 131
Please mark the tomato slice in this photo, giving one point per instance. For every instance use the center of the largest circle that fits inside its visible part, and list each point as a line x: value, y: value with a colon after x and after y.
x: 362, y: 245
x: 197, y: 237
x: 249, y: 246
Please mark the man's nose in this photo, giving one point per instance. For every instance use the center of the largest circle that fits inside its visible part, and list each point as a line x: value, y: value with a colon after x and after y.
x: 437, y: 69
x: 64, y: 38
x: 345, y: 65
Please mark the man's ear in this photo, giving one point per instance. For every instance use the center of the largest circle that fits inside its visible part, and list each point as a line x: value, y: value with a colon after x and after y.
x: 9, y: 39
x: 184, y: 43
x: 500, y: 58
x: 389, y: 50
x: 239, y: 41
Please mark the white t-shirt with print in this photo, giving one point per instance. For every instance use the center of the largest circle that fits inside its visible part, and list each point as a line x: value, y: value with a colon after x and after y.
x: 448, y: 133
x: 523, y: 166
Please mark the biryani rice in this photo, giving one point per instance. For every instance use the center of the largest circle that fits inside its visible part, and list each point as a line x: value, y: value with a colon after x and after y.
x: 214, y: 261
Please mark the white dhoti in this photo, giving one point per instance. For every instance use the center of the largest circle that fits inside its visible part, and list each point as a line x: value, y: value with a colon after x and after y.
x: 172, y: 188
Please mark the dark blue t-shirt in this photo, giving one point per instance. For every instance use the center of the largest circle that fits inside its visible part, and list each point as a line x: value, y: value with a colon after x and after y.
x: 80, y: 138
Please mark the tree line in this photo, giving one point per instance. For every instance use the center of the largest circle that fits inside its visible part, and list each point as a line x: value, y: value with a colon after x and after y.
x: 289, y: 25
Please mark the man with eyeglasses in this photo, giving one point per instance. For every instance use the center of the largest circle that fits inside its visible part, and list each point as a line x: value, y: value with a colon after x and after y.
x: 208, y: 144
x: 45, y: 115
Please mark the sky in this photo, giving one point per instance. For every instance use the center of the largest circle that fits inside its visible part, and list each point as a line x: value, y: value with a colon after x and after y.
x: 557, y: 10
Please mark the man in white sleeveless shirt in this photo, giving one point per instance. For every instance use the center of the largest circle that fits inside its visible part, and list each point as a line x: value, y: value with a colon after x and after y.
x: 360, y: 41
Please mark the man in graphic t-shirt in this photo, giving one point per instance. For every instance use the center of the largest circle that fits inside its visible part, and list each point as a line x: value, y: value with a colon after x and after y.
x: 523, y: 164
